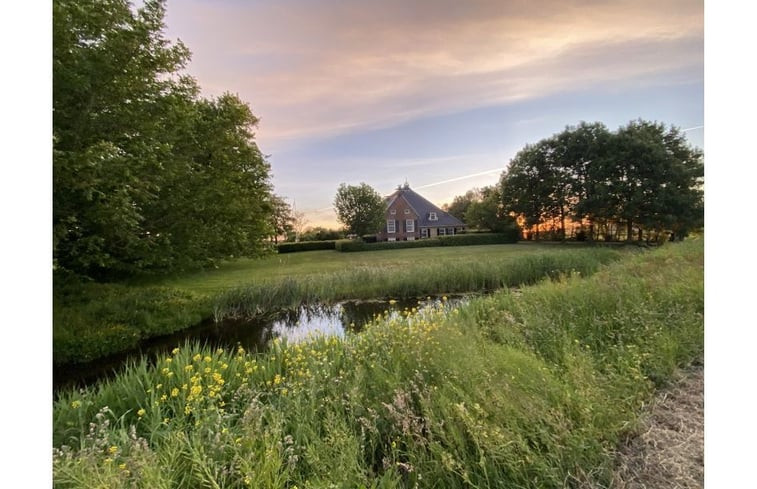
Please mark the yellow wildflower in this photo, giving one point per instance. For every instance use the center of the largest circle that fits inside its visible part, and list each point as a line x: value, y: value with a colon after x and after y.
x: 175, y: 351
x: 113, y: 449
x: 174, y: 392
x: 108, y: 460
x: 76, y: 404
x: 188, y: 368
x: 208, y: 359
x: 122, y: 466
x: 197, y: 357
x: 141, y: 412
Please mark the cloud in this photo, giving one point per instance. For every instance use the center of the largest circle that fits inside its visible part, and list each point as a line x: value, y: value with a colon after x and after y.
x: 312, y: 69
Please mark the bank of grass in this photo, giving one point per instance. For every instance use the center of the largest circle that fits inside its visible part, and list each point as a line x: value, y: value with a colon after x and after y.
x: 515, y: 390
x: 94, y: 320
x: 420, y: 279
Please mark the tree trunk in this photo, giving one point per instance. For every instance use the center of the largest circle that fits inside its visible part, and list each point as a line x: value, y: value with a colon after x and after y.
x: 629, y: 230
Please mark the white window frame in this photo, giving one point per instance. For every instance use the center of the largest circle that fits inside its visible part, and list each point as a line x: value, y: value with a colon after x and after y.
x: 393, y: 211
x: 410, y: 225
x: 424, y: 232
x: 391, y: 239
x: 432, y: 216
x: 441, y: 232
x: 391, y: 229
x: 407, y: 211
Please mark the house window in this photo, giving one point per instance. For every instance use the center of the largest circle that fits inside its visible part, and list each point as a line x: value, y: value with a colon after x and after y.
x: 424, y: 232
x: 409, y: 225
x: 411, y: 238
x: 393, y: 211
x: 390, y: 226
x: 442, y: 231
x: 432, y: 217
x: 407, y: 211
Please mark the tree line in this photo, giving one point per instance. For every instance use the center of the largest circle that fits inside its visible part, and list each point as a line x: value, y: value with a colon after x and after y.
x: 641, y: 181
x: 147, y: 175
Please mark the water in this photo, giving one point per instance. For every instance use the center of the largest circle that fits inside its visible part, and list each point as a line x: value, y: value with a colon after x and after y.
x: 253, y: 335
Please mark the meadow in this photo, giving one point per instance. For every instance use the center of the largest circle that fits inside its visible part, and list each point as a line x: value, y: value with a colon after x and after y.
x: 92, y: 320
x: 533, y: 388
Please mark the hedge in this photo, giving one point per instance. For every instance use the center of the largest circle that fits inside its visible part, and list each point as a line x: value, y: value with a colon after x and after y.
x: 456, y: 240
x: 306, y: 246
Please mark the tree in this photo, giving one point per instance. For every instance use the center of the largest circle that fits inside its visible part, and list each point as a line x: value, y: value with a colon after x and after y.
x: 643, y: 176
x: 299, y: 221
x: 282, y: 218
x: 146, y: 175
x: 487, y: 212
x: 460, y: 204
x: 360, y: 208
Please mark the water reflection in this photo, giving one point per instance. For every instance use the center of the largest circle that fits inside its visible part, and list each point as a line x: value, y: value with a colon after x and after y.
x: 253, y: 335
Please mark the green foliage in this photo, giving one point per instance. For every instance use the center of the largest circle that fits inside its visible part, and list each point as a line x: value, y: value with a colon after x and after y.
x: 320, y: 233
x: 531, y: 391
x: 460, y: 204
x: 93, y: 320
x: 488, y: 213
x: 96, y: 319
x: 360, y: 208
x: 146, y: 175
x: 643, y: 175
x: 470, y: 239
x: 352, y: 245
x: 456, y: 240
x: 306, y: 246
x: 282, y: 218
x: 425, y: 277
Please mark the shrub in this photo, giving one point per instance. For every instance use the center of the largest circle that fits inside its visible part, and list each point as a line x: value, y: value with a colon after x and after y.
x: 305, y: 246
x: 457, y: 240
x: 478, y: 239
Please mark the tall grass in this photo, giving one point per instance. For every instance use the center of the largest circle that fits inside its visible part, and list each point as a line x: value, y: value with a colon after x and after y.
x: 515, y: 390
x: 420, y: 280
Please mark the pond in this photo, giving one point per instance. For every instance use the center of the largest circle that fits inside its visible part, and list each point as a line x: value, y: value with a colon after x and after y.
x: 252, y: 334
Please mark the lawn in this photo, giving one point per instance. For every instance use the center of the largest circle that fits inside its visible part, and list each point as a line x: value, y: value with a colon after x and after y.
x: 293, y: 265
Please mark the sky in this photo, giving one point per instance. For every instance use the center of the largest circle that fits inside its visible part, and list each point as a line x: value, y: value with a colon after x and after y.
x: 443, y: 93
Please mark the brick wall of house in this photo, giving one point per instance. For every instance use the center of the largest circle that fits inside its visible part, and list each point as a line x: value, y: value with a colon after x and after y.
x: 399, y: 205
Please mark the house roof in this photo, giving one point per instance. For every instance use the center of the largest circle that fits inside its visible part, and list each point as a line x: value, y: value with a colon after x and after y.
x: 423, y: 208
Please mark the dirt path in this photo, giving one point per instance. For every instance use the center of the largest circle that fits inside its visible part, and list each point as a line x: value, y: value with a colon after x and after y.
x: 669, y: 452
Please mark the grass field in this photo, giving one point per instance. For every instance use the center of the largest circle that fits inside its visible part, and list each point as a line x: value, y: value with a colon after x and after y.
x: 93, y: 320
x: 530, y: 390
x: 296, y: 265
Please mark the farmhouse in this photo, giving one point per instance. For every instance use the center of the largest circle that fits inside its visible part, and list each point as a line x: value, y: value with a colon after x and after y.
x: 409, y: 216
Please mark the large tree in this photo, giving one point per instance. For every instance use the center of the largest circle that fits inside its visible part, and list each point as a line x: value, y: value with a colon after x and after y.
x: 644, y: 177
x: 146, y: 175
x: 360, y: 208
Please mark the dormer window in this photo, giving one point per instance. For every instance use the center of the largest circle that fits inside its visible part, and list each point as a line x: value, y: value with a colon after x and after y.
x: 407, y: 211
x: 432, y: 216
x: 393, y: 211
